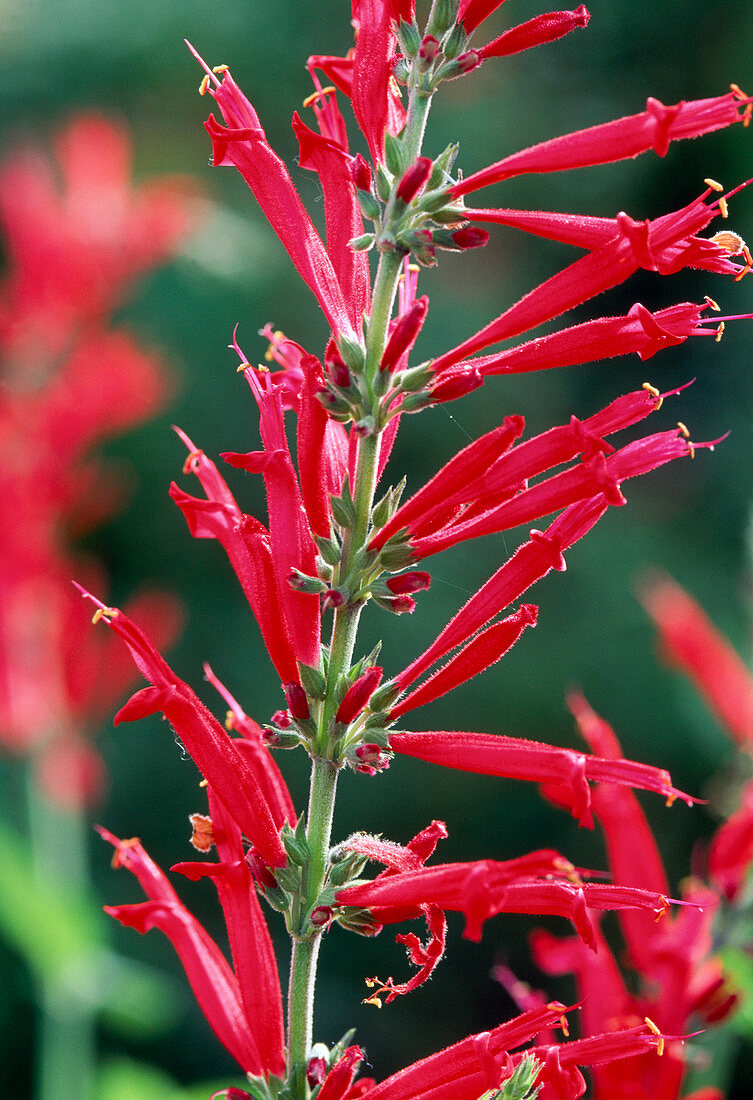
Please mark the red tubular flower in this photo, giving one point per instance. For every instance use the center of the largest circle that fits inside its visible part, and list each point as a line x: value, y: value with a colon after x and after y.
x: 251, y: 947
x: 626, y: 137
x: 665, y: 244
x: 589, y: 479
x: 214, y: 984
x: 531, y: 561
x: 638, y: 331
x: 247, y: 545
x: 518, y: 758
x: 484, y: 888
x: 535, y: 32
x: 469, y: 1068
x: 372, y: 72
x: 213, y: 751
x: 251, y: 744
x: 471, y: 13
x: 332, y: 163
x: 693, y: 644
x: 478, y: 655
x: 339, y: 1079
x: 243, y: 144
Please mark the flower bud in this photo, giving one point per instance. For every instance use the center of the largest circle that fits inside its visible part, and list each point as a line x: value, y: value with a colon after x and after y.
x: 458, y: 385
x: 358, y: 694
x: 317, y: 1068
x: 414, y: 179
x: 415, y: 581
x: 298, y: 704
x: 404, y: 334
x: 360, y: 173
x: 428, y: 51
x: 283, y: 719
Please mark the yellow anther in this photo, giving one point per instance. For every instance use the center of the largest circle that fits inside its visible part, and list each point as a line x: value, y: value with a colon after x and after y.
x: 220, y: 69
x: 737, y: 90
x: 372, y: 1000
x: 712, y: 304
x: 192, y: 462
x: 670, y: 800
x: 229, y: 721
x: 723, y: 208
x: 719, y: 332
x: 683, y: 429
x: 277, y: 336
x: 744, y: 272
x: 713, y: 184
x: 650, y: 389
x: 652, y: 1027
x: 204, y: 783
x: 106, y: 613
x: 242, y: 367
x: 204, y: 86
x: 747, y: 256
x: 119, y: 855
x: 319, y: 95
x: 747, y: 114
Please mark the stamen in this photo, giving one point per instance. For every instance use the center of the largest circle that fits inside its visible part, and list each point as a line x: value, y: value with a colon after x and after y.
x: 204, y: 783
x: 711, y: 303
x: 713, y: 184
x: 191, y: 464
x: 652, y: 1027
x: 719, y: 332
x: 242, y: 367
x: 204, y: 86
x: 220, y: 69
x: 229, y: 721
x: 723, y: 210
x: 748, y: 267
x: 654, y: 393
x: 320, y: 93
x: 203, y: 64
x: 106, y: 613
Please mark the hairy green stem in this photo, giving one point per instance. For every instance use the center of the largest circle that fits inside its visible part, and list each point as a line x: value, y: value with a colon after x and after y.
x: 344, y: 630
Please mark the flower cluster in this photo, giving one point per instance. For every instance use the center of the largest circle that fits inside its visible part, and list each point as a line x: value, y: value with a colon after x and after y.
x: 332, y: 543
x: 69, y: 380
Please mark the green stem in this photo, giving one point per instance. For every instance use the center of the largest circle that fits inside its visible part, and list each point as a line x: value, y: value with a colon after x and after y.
x: 344, y: 630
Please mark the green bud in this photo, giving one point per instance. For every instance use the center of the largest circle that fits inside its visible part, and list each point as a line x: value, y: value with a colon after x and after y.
x: 384, y: 697
x: 443, y: 166
x: 394, y: 154
x: 339, y: 1048
x: 444, y: 15
x: 288, y: 878
x: 330, y: 549
x: 353, y: 354
x: 362, y: 244
x: 382, y: 510
x: 433, y: 201
x: 383, y: 183
x: 401, y: 70
x: 409, y: 37
x: 343, y: 512
x: 415, y: 402
x: 369, y: 205
x: 416, y: 378
x: 297, y: 847
x: 456, y: 42
x: 359, y: 921
x: 312, y: 681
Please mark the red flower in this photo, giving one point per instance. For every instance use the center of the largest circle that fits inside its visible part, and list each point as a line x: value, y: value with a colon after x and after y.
x: 691, y: 643
x: 244, y: 1009
x: 229, y: 771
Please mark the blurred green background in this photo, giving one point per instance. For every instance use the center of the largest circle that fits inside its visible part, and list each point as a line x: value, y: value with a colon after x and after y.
x: 126, y: 58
